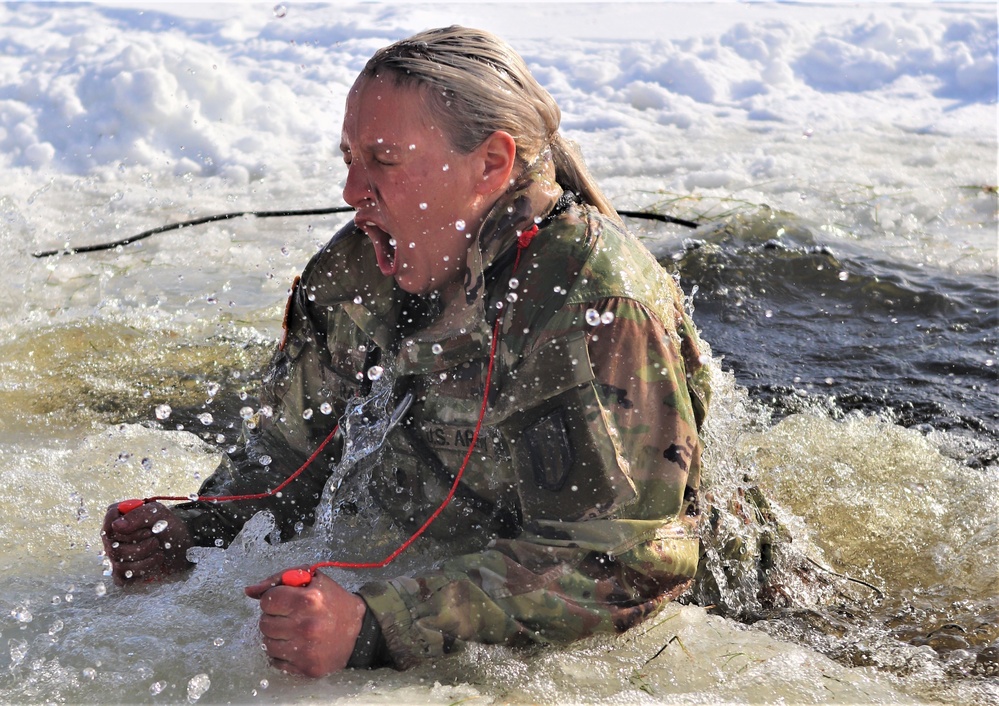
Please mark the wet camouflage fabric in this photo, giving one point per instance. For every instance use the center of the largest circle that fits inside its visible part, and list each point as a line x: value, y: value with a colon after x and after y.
x: 578, y: 511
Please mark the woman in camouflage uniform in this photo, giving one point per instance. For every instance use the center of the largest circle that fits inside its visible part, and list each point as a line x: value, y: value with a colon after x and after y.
x: 481, y: 251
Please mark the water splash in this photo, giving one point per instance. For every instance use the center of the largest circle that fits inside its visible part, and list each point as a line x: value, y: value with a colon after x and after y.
x: 365, y: 424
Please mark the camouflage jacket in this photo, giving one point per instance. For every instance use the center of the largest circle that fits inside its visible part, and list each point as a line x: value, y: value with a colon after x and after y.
x: 577, y: 512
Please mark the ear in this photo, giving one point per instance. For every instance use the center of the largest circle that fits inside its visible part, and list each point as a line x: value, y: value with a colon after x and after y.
x: 497, y: 155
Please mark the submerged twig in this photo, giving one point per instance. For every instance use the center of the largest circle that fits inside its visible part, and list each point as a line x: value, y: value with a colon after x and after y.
x: 844, y: 576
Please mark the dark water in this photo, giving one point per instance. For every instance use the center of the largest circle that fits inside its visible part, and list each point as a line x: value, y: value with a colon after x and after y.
x: 799, y: 320
x: 804, y: 325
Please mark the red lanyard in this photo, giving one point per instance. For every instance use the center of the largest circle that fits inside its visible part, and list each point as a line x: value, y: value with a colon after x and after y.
x: 302, y: 577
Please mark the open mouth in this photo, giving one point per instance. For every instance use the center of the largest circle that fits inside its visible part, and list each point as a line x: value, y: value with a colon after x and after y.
x: 384, y: 247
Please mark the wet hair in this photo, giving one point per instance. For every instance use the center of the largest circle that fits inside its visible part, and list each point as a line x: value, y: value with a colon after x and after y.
x: 475, y: 84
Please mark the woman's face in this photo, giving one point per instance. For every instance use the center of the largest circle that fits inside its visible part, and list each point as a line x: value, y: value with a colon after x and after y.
x: 417, y: 198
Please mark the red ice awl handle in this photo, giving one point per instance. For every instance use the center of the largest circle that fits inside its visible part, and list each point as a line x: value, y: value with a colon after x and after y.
x: 298, y: 578
x: 126, y: 506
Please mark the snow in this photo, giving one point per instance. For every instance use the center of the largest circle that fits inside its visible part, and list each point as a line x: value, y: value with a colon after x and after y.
x: 237, y: 91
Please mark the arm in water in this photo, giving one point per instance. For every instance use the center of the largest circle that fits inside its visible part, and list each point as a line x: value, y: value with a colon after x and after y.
x: 147, y: 542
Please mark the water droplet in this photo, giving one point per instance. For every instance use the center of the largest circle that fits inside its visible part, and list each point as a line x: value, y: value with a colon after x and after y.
x: 592, y: 317
x: 246, y: 412
x: 326, y: 408
x: 163, y: 411
x: 90, y: 673
x: 307, y: 413
x: 514, y: 283
x: 263, y: 682
x: 511, y: 297
x: 445, y: 167
x: 375, y: 372
x: 358, y: 299
x: 607, y: 317
x: 197, y: 687
x: 768, y: 313
x: 18, y: 651
x: 218, y: 642
x: 157, y: 687
x: 21, y: 614
x: 219, y: 542
x: 206, y: 418
x: 423, y: 206
x: 437, y: 348
x: 56, y: 627
x: 128, y: 574
x: 213, y: 389
x: 147, y: 464
x: 193, y: 497
x: 101, y: 590
x: 844, y: 276
x: 459, y: 225
x: 265, y: 460
x: 279, y: 12
x: 266, y: 411
x: 160, y: 526
x: 299, y: 527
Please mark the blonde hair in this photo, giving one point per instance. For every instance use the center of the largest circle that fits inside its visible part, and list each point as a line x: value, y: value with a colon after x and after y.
x: 477, y: 84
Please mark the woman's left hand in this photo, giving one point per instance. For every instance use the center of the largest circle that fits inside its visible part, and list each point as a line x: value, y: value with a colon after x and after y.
x: 308, y: 630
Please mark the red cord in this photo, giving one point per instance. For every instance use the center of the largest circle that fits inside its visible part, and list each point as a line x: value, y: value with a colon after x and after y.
x: 290, y: 578
x: 302, y: 577
x: 126, y: 506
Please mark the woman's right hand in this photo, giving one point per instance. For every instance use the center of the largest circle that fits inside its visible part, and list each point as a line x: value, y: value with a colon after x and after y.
x: 136, y: 551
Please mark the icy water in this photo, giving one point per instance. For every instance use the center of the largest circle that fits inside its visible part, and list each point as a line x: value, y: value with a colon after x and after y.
x: 857, y: 391
x: 845, y: 275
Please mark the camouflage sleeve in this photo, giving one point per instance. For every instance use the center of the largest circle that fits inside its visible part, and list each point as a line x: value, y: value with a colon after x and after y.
x: 608, y: 473
x: 290, y: 424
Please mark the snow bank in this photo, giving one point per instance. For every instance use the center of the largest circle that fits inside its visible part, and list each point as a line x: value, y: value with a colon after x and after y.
x: 246, y: 94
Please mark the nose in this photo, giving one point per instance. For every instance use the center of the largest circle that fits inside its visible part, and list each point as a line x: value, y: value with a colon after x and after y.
x: 357, y: 189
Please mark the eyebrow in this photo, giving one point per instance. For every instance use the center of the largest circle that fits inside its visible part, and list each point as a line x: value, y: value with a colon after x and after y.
x: 383, y: 148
